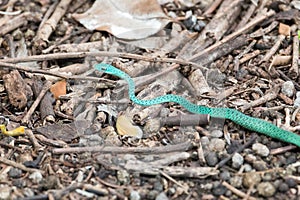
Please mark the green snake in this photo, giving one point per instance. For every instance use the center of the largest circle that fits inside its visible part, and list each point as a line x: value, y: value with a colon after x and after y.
x: 251, y: 123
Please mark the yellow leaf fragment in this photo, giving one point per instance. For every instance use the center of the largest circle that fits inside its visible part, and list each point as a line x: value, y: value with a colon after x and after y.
x: 15, y: 132
x: 124, y: 127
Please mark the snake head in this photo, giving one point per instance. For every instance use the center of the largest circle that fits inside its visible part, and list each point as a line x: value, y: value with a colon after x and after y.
x: 102, y: 67
x: 107, y: 68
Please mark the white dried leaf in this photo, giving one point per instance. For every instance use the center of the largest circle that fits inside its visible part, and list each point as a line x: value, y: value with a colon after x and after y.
x: 126, y: 19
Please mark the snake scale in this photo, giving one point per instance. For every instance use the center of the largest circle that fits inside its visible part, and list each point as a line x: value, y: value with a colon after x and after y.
x: 251, y: 123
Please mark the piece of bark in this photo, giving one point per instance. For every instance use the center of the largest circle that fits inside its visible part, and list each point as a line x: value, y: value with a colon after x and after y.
x: 272, y: 94
x: 215, y: 29
x: 46, y: 108
x: 199, y: 82
x: 99, y: 45
x: 274, y: 49
x: 223, y: 49
x: 45, y: 31
x: 184, y: 146
x: 36, y: 102
x: 294, y: 70
x: 19, y: 21
x: 228, y: 43
x: 18, y: 91
x: 246, y: 16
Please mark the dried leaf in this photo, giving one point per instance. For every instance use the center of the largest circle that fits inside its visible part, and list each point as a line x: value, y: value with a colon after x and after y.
x: 59, y: 88
x: 124, y: 127
x: 284, y: 29
x: 127, y: 19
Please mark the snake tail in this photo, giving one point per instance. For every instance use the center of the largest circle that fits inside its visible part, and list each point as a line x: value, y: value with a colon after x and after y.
x: 251, y: 123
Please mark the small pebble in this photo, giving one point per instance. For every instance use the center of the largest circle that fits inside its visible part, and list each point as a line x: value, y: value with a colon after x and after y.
x: 134, y: 195
x: 274, y: 144
x: 123, y: 177
x: 251, y: 179
x: 216, y: 133
x: 5, y: 192
x: 283, y: 187
x: 225, y: 175
x: 297, y: 100
x: 96, y: 37
x: 288, y: 88
x: 36, y: 177
x: 216, y: 144
x: 260, y: 149
x: 291, y: 159
x: 260, y: 165
x: 219, y: 190
x: 237, y: 160
x: 152, y: 126
x: 162, y: 196
x: 152, y: 194
x: 199, y: 25
x: 172, y: 14
x: 29, y: 34
x: 266, y: 189
x: 171, y: 190
x: 204, y: 141
x: 207, y: 186
x: 250, y: 158
x: 277, y: 182
x: 17, y: 34
x: 28, y: 192
x: 236, y: 181
x: 19, y: 183
x: 281, y: 161
x: 228, y: 193
x: 15, y: 173
x: 212, y: 159
x: 291, y: 182
x: 50, y: 182
x: 247, y: 168
x: 158, y: 186
x: 267, y: 177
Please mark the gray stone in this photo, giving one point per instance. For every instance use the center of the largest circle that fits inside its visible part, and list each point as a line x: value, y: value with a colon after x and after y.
x: 261, y: 149
x: 288, y: 88
x: 162, y: 196
x: 247, y: 168
x: 211, y: 159
x: 216, y: 133
x: 297, y: 100
x: 225, y: 175
x: 134, y: 195
x: 237, y: 160
x: 36, y: 177
x: 15, y: 173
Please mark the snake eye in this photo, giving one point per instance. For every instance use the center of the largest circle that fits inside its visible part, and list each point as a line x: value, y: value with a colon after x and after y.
x: 101, y: 67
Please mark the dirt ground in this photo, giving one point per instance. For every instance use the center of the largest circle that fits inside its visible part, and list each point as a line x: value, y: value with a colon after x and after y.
x: 70, y: 131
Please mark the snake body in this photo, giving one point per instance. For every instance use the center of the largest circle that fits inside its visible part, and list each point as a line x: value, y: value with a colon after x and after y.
x: 251, y: 123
